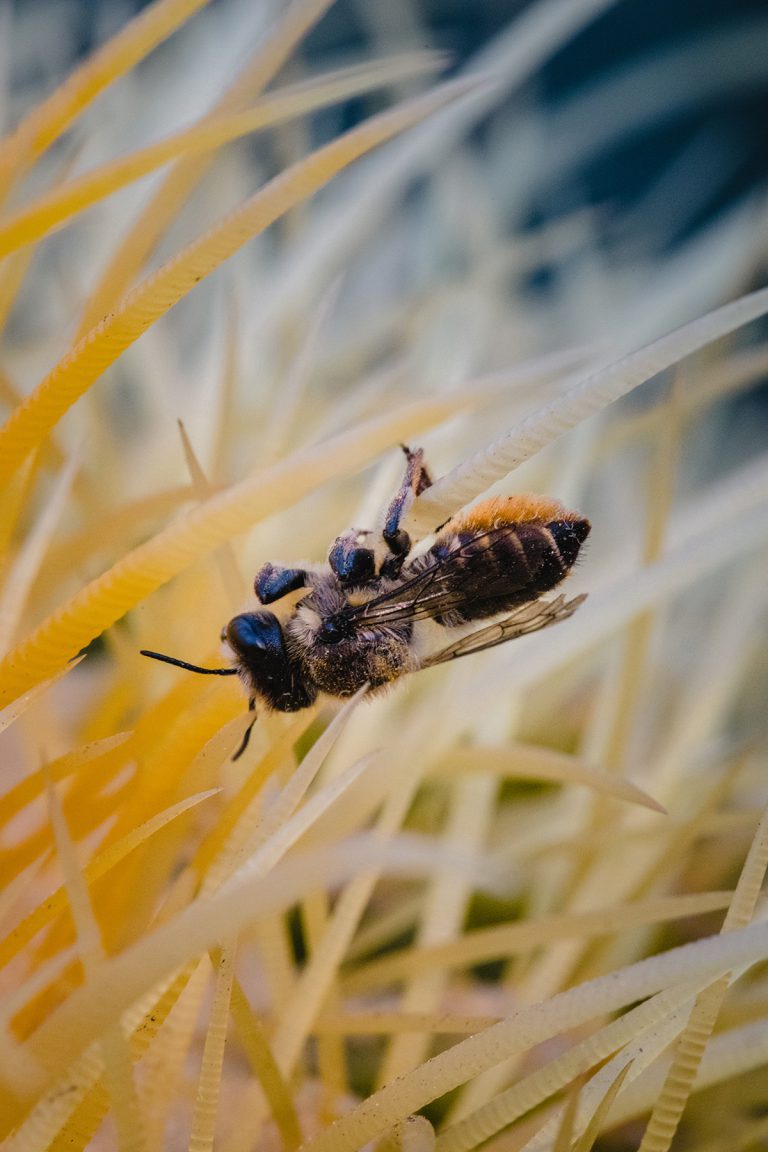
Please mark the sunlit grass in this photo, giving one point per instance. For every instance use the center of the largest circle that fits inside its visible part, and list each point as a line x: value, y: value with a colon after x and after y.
x: 515, y: 902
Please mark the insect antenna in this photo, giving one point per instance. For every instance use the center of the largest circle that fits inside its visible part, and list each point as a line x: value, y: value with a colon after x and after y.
x: 189, y: 667
x: 247, y: 733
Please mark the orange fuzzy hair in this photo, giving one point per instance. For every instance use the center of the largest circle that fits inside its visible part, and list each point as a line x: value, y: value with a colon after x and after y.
x: 521, y: 508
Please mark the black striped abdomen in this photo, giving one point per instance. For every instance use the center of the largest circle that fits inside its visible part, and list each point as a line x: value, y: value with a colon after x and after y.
x: 494, y: 569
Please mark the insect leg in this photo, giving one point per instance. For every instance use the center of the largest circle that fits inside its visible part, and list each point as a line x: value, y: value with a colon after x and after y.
x: 416, y: 479
x: 272, y: 582
x: 247, y: 733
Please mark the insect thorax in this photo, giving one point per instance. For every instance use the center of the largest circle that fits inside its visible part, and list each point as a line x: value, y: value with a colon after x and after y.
x: 340, y: 666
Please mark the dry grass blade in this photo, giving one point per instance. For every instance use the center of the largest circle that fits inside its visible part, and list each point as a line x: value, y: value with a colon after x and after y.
x: 53, y: 210
x: 689, y: 1053
x: 508, y: 940
x: 48, y: 120
x: 587, y: 1140
x: 459, y: 896
x: 594, y: 393
x: 528, y: 762
x: 128, y: 976
x: 47, y: 912
x: 691, y: 962
x: 57, y: 640
x: 128, y: 258
x: 32, y: 422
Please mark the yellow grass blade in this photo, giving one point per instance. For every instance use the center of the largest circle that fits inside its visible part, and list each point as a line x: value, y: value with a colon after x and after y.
x: 53, y: 210
x: 122, y: 979
x: 530, y: 762
x: 20, y: 703
x: 117, y: 1059
x: 49, y: 120
x: 255, y: 1043
x: 209, y: 1083
x: 530, y: 1026
x: 102, y: 863
x: 388, y: 1023
x: 507, y: 940
x: 197, y: 533
x: 125, y: 264
x: 592, y: 1131
x: 590, y: 395
x: 17, y: 584
x: 59, y: 769
x: 680, y: 1079
x: 70, y: 379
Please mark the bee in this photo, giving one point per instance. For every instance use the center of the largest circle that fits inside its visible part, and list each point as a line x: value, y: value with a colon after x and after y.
x: 380, y: 608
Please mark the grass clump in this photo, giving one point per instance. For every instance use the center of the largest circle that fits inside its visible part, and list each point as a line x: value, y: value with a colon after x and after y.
x: 286, y: 950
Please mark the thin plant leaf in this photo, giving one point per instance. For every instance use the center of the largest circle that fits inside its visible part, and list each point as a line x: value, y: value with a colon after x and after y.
x: 45, y: 123
x: 53, y: 210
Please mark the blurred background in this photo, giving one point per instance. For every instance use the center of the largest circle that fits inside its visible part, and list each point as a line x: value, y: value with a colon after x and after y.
x: 673, y: 94
x: 604, y: 184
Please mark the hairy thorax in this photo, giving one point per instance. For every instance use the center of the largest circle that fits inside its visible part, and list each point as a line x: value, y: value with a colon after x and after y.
x: 373, y: 655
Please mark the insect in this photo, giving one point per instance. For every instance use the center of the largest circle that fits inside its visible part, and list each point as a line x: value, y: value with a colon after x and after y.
x: 380, y: 609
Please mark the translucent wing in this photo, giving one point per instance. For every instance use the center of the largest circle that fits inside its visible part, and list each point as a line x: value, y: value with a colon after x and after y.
x: 449, y: 582
x: 528, y: 618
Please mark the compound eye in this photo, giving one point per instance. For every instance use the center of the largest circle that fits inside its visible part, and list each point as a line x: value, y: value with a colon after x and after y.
x: 273, y: 582
x: 253, y: 632
x: 352, y: 563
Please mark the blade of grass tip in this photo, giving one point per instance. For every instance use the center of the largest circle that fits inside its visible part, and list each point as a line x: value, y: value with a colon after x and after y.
x: 68, y: 630
x: 586, y: 398
x: 23, y: 793
x: 283, y: 825
x: 210, y: 862
x: 46, y: 122
x: 732, y: 1053
x: 54, y: 209
x: 117, y: 1059
x: 592, y: 1131
x: 30, y: 424
x: 530, y: 762
x: 565, y: 1129
x: 19, y: 579
x: 19, y: 704
x: 224, y: 557
x: 556, y: 1074
x: 100, y: 865
x: 154, y: 220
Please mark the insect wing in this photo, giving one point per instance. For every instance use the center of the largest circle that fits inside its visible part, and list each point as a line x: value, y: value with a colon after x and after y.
x: 529, y: 618
x: 429, y: 594
x: 452, y: 581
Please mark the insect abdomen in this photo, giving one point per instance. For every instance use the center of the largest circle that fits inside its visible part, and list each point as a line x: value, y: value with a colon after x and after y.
x: 501, y: 558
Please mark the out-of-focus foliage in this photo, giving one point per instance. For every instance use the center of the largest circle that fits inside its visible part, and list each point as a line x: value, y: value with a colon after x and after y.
x: 539, y: 867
